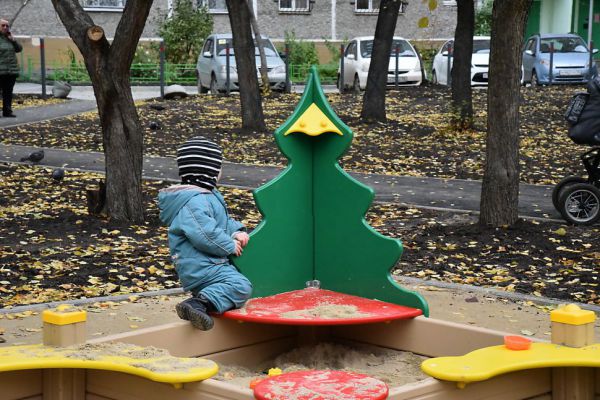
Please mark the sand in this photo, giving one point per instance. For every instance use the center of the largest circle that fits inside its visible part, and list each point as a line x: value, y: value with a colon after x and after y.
x: 395, y: 368
x: 150, y: 358
x: 326, y: 311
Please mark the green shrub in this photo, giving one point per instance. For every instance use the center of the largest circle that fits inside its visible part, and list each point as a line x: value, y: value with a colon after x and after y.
x: 301, y: 52
x: 184, y: 31
x: 74, y: 71
x: 147, y: 53
x: 483, y: 19
x: 328, y: 72
x: 427, y: 58
x: 334, y: 50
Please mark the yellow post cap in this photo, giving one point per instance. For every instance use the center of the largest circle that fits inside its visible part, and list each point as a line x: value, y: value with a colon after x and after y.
x: 64, y: 314
x: 572, y: 314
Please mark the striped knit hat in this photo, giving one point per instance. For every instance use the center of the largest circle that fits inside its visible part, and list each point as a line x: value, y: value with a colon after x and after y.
x: 199, y: 161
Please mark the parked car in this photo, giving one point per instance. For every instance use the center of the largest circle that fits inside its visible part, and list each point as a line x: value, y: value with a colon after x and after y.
x: 571, y: 59
x: 480, y: 60
x: 357, y: 59
x: 211, y: 68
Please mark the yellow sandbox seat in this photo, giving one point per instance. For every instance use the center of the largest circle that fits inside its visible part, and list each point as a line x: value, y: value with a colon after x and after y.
x: 488, y: 362
x: 148, y: 362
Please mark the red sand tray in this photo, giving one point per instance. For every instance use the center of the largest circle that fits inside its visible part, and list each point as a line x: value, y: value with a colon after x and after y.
x: 321, y: 385
x: 303, y: 307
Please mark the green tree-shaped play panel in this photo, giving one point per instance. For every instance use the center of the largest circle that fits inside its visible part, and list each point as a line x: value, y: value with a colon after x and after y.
x: 313, y: 225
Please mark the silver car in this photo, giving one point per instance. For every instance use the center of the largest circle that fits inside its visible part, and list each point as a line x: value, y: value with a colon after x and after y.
x: 211, y: 68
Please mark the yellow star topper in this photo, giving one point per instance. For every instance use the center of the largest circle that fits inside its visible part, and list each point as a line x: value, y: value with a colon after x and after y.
x: 313, y: 122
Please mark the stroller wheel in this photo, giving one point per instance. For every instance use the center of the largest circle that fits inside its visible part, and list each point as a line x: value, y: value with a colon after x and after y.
x: 561, y: 185
x: 579, y: 204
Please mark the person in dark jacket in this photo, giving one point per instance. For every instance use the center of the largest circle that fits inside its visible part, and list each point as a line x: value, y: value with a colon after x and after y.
x: 202, y: 236
x: 587, y: 129
x: 9, y: 69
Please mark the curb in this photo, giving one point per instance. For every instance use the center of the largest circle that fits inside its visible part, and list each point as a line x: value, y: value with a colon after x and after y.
x: 407, y: 280
x: 80, y: 302
x: 495, y: 292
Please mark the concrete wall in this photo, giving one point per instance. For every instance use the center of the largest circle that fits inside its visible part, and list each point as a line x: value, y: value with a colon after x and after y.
x: 319, y: 25
x: 555, y: 16
x: 328, y: 19
x: 332, y: 20
x: 38, y: 18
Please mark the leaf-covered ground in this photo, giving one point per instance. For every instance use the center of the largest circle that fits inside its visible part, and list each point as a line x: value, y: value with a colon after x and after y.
x: 32, y: 100
x: 50, y: 249
x: 417, y: 140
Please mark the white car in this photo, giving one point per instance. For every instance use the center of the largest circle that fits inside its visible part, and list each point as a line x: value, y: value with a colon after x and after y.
x: 357, y: 59
x: 480, y: 61
x: 211, y: 68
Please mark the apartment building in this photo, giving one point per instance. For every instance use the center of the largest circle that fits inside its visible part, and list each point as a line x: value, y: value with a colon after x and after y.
x: 333, y: 20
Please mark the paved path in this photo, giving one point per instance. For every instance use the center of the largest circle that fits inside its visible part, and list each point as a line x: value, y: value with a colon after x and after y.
x: 87, y: 92
x: 82, y: 99
x: 29, y: 115
x: 454, y: 194
x: 138, y: 92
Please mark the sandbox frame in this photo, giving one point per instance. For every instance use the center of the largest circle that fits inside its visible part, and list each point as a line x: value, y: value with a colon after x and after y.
x: 232, y: 342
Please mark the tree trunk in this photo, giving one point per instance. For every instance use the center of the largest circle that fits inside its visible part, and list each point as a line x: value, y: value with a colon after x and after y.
x: 243, y: 46
x: 264, y: 75
x: 373, y: 108
x: 462, y: 103
x: 500, y: 189
x: 123, y: 149
x: 108, y: 66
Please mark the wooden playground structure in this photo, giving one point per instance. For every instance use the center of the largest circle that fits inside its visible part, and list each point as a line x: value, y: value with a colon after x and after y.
x: 312, y: 249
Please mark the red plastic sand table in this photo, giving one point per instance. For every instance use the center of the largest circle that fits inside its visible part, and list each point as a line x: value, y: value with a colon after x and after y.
x: 313, y: 306
x: 321, y: 385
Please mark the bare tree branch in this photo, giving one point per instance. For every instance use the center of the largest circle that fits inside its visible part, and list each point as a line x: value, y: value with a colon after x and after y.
x: 129, y: 30
x: 14, y: 18
x: 75, y: 20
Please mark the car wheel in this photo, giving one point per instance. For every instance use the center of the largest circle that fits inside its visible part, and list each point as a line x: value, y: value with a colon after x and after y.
x: 356, y: 85
x: 434, y: 79
x: 579, y: 204
x: 201, y: 89
x: 534, y: 79
x: 213, y: 85
x: 522, y: 81
x: 560, y: 187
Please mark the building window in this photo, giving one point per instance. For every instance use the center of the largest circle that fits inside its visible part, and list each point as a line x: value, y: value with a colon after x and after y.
x: 367, y: 6
x: 294, y: 5
x: 372, y: 6
x: 103, y: 5
x: 214, y: 6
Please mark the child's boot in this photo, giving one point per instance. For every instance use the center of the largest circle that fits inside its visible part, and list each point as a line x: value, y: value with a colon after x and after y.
x: 195, y: 310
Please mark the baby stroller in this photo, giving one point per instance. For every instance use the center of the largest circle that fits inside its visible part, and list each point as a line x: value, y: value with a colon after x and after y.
x: 576, y: 198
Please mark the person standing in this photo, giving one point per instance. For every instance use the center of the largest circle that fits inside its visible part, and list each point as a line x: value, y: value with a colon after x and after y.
x: 9, y: 69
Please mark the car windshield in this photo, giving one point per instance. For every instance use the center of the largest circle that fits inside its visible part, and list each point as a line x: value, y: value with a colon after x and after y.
x: 481, y: 46
x: 404, y: 48
x: 564, y: 45
x: 222, y: 47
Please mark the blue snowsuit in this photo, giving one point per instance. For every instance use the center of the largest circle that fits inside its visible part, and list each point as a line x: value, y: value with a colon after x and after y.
x: 200, y: 239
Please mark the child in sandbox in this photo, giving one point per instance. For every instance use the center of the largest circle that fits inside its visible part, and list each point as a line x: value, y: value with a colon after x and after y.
x: 202, y: 235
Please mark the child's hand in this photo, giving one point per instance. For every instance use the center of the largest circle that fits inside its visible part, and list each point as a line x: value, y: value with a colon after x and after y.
x: 242, y: 237
x: 238, y: 248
